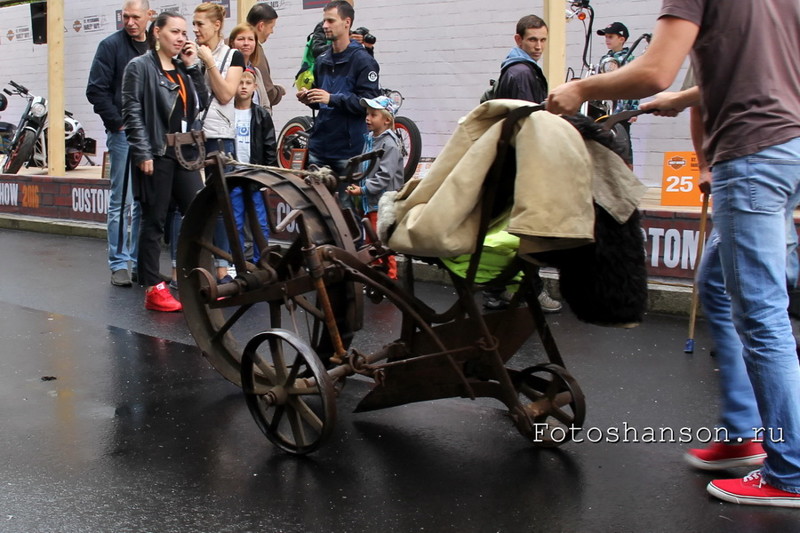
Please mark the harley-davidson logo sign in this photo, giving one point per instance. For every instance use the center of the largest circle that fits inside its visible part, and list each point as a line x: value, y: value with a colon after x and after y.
x: 677, y: 162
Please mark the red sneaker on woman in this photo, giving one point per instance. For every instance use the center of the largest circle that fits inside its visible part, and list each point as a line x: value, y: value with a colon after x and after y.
x: 159, y: 298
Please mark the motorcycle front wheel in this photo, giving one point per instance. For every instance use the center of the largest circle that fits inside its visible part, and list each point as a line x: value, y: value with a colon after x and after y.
x: 291, y: 138
x: 20, y: 152
x: 411, y: 140
x: 72, y: 160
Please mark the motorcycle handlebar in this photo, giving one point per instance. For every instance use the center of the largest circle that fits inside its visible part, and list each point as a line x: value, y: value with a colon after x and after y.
x: 17, y: 86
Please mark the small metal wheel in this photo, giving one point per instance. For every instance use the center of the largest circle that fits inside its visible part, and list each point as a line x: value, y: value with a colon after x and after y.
x: 552, y: 404
x: 298, y: 410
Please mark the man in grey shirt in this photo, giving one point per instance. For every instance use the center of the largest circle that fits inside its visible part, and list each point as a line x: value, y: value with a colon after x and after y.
x: 751, y: 115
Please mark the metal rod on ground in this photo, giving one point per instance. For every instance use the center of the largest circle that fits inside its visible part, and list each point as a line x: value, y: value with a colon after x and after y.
x: 689, y: 346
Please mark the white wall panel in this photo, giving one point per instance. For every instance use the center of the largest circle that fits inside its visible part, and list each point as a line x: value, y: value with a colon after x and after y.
x: 439, y: 53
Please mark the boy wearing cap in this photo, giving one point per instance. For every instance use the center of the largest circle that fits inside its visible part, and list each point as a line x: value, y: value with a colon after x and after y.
x: 255, y: 144
x: 387, y: 173
x: 616, y: 35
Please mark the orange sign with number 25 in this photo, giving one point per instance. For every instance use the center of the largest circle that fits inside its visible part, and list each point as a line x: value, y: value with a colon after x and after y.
x: 680, y: 179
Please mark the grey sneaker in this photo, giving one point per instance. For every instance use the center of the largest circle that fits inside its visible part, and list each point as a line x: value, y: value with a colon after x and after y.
x: 548, y: 304
x: 121, y: 278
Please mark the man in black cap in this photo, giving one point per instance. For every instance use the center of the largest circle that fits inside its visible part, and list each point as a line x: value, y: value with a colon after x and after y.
x: 616, y: 35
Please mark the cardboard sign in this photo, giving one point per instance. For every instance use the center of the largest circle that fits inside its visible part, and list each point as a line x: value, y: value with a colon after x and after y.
x: 679, y: 184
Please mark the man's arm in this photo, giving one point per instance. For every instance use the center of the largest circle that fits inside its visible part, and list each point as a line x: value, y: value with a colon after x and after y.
x: 366, y: 86
x: 669, y: 104
x: 652, y: 72
x: 100, y: 89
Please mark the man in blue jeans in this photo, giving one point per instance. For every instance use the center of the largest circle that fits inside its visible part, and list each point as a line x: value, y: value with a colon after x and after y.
x: 751, y: 115
x: 104, y: 93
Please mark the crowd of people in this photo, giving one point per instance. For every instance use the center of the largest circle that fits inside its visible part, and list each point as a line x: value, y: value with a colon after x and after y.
x: 746, y: 124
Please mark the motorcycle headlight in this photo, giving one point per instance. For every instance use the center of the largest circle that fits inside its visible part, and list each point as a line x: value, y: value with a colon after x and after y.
x: 609, y: 64
x: 38, y: 110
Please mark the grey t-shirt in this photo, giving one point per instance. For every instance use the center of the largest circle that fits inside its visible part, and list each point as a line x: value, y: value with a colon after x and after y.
x: 747, y: 61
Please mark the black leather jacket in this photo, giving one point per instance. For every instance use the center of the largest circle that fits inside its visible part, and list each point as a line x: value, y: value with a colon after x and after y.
x: 263, y: 149
x: 148, y: 99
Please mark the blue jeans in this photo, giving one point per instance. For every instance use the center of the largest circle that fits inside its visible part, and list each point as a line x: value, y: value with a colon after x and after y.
x: 338, y: 166
x: 240, y: 212
x: 751, y: 197
x: 118, y: 151
x: 220, y: 235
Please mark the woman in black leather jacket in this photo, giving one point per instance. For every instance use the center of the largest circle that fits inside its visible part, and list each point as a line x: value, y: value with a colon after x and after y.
x: 163, y: 91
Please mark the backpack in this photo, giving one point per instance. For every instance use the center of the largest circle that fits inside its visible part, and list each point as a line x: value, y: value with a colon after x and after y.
x: 305, y: 78
x: 491, y: 92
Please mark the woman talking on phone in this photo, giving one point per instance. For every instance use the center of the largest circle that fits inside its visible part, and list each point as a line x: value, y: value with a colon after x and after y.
x: 163, y: 91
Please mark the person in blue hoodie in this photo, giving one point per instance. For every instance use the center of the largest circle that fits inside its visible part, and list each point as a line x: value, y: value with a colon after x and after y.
x: 521, y: 77
x: 343, y: 75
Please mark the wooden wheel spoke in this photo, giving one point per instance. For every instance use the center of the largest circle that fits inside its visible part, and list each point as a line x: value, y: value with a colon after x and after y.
x: 306, y: 413
x: 232, y: 320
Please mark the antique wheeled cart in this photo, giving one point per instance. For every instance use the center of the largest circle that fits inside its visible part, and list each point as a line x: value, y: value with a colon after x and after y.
x: 250, y: 329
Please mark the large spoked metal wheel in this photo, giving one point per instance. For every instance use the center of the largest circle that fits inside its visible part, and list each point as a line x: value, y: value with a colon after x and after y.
x: 221, y: 325
x: 297, y: 409
x: 553, y: 406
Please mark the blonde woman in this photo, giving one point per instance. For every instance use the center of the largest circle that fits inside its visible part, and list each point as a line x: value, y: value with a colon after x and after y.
x: 224, y: 67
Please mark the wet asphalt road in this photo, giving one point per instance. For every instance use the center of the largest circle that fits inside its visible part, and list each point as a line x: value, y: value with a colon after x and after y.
x: 113, y: 422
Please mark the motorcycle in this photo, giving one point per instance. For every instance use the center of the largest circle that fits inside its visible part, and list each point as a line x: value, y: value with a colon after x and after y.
x: 598, y: 110
x: 26, y: 144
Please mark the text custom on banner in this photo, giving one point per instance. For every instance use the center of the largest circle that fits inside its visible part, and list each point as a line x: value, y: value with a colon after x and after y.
x: 679, y: 184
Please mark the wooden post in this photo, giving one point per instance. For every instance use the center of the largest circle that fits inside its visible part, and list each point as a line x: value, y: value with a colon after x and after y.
x: 55, y: 88
x: 242, y: 9
x: 555, y: 63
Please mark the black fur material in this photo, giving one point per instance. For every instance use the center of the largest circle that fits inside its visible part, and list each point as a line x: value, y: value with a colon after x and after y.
x: 604, y: 283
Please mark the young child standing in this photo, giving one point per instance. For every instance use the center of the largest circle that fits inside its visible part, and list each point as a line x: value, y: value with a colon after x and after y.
x: 387, y: 174
x: 255, y: 143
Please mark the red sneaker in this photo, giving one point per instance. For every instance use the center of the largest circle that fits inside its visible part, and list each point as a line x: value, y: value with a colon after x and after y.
x: 722, y: 455
x: 752, y: 490
x: 160, y: 299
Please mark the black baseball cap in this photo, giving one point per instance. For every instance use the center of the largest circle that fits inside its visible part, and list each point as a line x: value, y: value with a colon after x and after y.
x: 615, y: 28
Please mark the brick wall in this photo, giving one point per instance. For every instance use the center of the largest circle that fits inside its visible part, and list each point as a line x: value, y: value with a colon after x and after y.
x: 439, y: 53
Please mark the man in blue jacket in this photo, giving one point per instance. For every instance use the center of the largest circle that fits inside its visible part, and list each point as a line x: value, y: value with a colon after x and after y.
x: 104, y: 92
x: 343, y: 75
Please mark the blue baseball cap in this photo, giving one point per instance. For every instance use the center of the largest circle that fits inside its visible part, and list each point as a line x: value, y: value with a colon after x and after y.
x: 381, y: 102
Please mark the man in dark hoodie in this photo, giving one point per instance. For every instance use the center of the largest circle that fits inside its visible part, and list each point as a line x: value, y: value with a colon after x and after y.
x: 343, y: 75
x: 521, y: 77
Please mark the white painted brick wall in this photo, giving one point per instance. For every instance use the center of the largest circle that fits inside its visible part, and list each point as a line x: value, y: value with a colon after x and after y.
x: 439, y: 53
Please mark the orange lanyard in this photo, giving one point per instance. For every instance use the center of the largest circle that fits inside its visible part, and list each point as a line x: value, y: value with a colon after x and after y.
x: 181, y: 91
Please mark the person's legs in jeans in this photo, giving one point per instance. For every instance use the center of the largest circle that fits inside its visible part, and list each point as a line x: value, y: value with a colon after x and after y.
x: 117, y: 145
x: 738, y: 411
x: 220, y: 234
x: 751, y: 195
